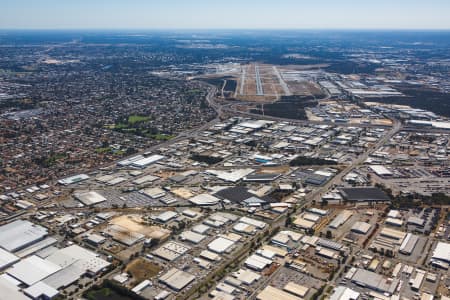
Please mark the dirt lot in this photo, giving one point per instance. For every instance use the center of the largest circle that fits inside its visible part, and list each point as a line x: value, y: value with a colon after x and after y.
x: 142, y: 269
x: 134, y: 223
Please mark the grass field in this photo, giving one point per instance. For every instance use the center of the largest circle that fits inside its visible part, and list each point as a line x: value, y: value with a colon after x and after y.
x: 133, y: 119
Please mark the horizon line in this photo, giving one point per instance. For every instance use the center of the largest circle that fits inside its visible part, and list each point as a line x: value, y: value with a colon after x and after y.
x: 221, y: 29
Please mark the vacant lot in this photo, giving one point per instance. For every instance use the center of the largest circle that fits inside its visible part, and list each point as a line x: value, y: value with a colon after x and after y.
x: 142, y: 269
x: 105, y: 294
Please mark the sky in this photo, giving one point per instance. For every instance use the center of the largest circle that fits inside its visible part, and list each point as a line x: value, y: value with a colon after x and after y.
x: 228, y: 14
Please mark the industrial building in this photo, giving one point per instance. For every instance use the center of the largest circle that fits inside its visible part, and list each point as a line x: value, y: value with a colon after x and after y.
x: 272, y: 293
x: 7, y: 259
x: 177, y: 279
x: 257, y: 262
x: 20, y: 234
x: 146, y: 161
x: 408, y: 244
x: 364, y: 194
x: 204, y: 199
x: 89, y: 198
x: 361, y: 227
x: 441, y: 255
x: 340, y: 219
x: 171, y: 250
x: 344, y: 293
x: 372, y: 281
x: 220, y: 245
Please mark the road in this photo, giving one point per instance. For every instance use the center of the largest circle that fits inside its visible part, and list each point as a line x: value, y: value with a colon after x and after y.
x: 316, y: 195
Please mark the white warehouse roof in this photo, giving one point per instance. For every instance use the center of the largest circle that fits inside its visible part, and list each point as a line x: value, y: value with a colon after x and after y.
x: 7, y: 259
x: 41, y: 290
x: 442, y: 252
x: 20, y: 234
x: 220, y: 245
x: 204, y: 199
x: 32, y: 269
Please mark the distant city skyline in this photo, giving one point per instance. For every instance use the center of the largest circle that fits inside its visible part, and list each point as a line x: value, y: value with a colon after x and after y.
x: 232, y: 14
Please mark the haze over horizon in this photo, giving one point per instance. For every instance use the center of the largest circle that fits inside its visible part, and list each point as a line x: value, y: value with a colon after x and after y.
x: 233, y: 14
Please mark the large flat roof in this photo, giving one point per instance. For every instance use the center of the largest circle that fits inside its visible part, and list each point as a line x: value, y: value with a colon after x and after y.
x: 204, y: 199
x: 374, y: 281
x: 177, y: 279
x: 442, y: 252
x: 89, y: 198
x: 86, y: 260
x: 20, y: 234
x: 7, y: 259
x: 363, y: 194
x: 33, y: 269
x: 271, y: 293
x: 220, y: 245
x: 10, y: 291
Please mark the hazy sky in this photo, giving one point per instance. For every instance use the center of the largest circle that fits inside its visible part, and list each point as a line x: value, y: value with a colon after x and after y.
x: 213, y: 14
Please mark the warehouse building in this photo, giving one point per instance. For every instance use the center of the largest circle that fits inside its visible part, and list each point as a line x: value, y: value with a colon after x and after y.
x: 73, y: 179
x: 361, y: 227
x: 344, y: 293
x: 192, y: 237
x: 364, y: 194
x: 177, y: 279
x: 296, y: 289
x: 7, y: 259
x: 89, y: 198
x: 204, y: 200
x: 146, y: 161
x: 10, y: 291
x: 441, y: 255
x: 220, y: 245
x: 372, y: 281
x: 381, y: 171
x: 32, y: 270
x: 340, y: 219
x: 20, y: 234
x: 257, y: 262
x: 272, y: 293
x: 171, y: 250
x: 408, y: 244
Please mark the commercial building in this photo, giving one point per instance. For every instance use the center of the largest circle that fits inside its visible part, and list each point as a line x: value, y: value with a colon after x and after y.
x: 73, y: 179
x: 380, y: 170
